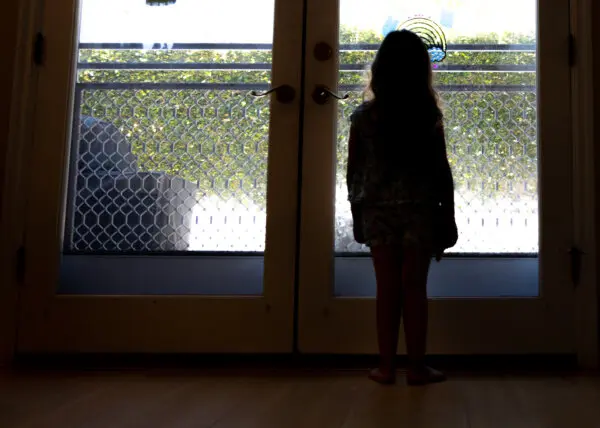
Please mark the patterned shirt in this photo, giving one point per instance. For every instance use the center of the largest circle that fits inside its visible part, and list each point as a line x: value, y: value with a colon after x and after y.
x: 366, y: 177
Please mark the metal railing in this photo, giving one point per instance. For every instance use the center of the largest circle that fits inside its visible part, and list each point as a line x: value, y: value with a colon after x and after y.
x: 181, y: 166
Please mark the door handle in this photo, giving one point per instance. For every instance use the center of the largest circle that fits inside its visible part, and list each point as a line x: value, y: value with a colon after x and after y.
x: 322, y: 93
x: 285, y: 94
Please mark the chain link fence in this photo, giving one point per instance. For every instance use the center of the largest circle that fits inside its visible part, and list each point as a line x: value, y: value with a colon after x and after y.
x: 160, y: 165
x: 169, y: 170
x: 492, y: 147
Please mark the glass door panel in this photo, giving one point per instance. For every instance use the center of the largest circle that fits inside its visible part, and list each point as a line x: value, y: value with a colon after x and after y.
x: 169, y: 149
x: 488, y: 91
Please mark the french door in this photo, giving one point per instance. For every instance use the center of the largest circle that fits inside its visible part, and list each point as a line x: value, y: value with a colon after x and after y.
x: 165, y: 180
x: 174, y: 206
x: 504, y: 88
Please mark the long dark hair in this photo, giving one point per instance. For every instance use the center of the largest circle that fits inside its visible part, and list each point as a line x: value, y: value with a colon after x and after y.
x: 402, y: 99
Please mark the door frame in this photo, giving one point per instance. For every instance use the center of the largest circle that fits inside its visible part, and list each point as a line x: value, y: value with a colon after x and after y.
x: 22, y: 81
x: 586, y: 113
x: 586, y: 299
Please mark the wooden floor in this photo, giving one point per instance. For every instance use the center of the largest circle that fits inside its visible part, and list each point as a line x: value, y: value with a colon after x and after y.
x: 149, y: 399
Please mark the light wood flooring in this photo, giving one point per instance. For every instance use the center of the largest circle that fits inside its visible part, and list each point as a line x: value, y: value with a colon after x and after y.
x: 177, y: 399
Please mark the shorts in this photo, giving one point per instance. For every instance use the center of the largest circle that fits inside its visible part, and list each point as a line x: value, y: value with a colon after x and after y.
x: 400, y: 225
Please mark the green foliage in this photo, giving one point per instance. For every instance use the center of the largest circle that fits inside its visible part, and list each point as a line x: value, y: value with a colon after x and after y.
x: 219, y: 138
x: 491, y: 135
x: 215, y: 138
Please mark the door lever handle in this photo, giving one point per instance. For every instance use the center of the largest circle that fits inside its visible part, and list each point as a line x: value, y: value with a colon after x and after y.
x: 322, y: 93
x: 285, y: 94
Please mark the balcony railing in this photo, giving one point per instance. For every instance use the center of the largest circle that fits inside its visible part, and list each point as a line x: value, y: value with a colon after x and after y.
x: 170, y: 152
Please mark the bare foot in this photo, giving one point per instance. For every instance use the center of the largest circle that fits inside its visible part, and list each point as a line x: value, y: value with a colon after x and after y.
x: 383, y: 377
x: 423, y: 376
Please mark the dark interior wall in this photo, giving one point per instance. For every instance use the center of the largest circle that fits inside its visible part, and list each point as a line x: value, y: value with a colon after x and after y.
x: 596, y: 50
x: 8, y: 24
x: 8, y: 33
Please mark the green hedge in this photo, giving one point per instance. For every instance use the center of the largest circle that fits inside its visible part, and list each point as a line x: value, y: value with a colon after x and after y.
x: 219, y: 137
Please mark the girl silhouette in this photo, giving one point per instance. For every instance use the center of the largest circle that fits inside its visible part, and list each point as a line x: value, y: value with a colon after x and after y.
x: 402, y: 196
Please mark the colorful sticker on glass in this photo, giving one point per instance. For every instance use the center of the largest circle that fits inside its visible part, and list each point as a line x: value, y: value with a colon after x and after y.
x: 429, y: 31
x: 160, y: 2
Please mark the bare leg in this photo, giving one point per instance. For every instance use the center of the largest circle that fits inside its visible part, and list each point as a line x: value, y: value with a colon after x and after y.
x: 388, y: 272
x: 415, y: 269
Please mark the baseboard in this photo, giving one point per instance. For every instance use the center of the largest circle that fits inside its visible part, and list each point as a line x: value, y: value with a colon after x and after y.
x: 470, y: 363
